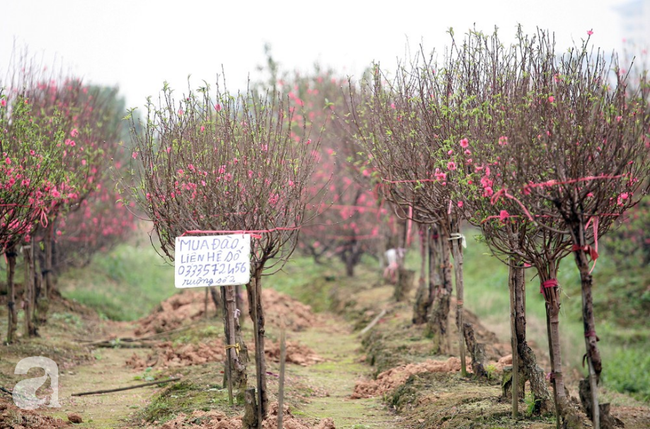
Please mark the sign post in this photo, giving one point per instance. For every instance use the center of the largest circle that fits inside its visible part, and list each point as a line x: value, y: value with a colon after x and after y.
x: 222, y: 260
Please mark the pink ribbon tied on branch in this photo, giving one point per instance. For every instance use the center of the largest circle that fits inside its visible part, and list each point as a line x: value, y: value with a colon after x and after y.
x: 592, y: 251
x: 503, y: 192
x: 547, y: 284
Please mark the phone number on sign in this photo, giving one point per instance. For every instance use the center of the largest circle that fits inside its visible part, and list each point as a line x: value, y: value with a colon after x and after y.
x: 205, y: 270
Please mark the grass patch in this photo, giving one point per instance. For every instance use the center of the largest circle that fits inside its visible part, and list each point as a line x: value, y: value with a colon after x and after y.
x: 305, y: 281
x: 124, y: 284
x: 629, y: 372
x: 183, y: 397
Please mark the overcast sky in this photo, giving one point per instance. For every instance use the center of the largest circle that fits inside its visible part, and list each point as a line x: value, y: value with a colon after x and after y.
x: 139, y: 44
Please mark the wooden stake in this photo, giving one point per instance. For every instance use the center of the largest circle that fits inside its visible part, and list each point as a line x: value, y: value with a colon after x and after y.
x: 250, y: 419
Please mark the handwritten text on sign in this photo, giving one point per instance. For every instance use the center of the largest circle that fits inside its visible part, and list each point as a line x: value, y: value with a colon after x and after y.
x: 212, y: 261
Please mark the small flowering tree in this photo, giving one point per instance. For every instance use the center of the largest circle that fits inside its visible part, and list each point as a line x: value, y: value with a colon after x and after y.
x: 52, y: 126
x: 397, y: 128
x: 23, y: 173
x: 226, y: 163
x: 566, y: 145
x: 435, y: 170
x: 594, y: 129
x: 491, y: 111
x: 99, y: 221
x: 78, y: 156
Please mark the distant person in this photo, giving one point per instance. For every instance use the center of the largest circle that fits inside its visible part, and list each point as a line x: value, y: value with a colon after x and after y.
x: 393, y: 257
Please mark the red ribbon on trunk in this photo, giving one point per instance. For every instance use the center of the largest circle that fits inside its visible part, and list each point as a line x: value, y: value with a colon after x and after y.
x: 548, y: 284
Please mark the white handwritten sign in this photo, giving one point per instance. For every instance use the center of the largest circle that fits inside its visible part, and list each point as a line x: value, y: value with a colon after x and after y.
x: 212, y: 261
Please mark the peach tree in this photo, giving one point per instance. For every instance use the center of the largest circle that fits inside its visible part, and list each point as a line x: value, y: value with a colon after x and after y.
x: 210, y: 163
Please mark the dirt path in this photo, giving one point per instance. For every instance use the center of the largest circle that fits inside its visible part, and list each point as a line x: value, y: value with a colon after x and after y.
x: 105, y: 410
x: 336, y: 378
x: 331, y: 382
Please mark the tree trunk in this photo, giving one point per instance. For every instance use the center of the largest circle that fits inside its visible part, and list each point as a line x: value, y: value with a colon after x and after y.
x: 12, y: 321
x: 235, y: 371
x: 438, y: 325
x: 256, y: 312
x: 239, y: 301
x: 458, y: 276
x: 49, y: 274
x: 513, y: 336
x: 41, y: 304
x: 404, y: 284
x: 251, y: 411
x: 476, y: 350
x: 350, y: 256
x: 593, y: 354
x: 423, y: 306
x: 607, y: 421
x: 205, y: 304
x: 47, y: 287
x: 349, y: 264
x: 216, y: 300
x: 28, y: 299
x: 423, y: 293
x: 552, y: 297
x: 528, y: 361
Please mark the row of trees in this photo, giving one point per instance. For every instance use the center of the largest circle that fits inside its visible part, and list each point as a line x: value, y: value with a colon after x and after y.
x: 271, y: 162
x: 544, y: 152
x: 58, y: 139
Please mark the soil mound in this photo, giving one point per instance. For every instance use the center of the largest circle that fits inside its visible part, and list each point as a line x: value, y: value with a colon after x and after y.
x: 165, y: 355
x: 394, y: 377
x: 296, y: 354
x: 189, y: 305
x: 12, y: 417
x: 281, y: 308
